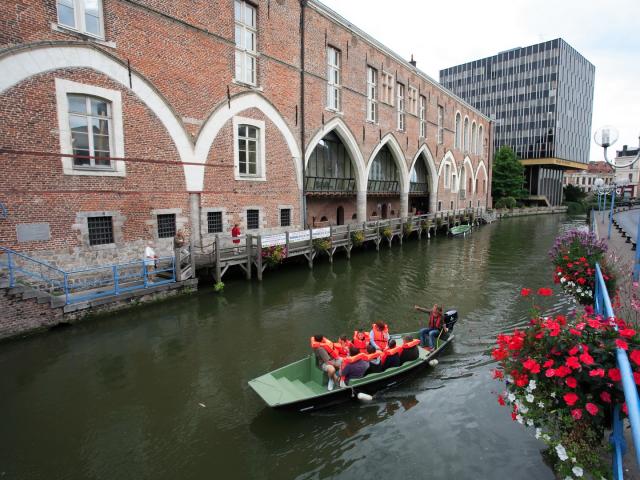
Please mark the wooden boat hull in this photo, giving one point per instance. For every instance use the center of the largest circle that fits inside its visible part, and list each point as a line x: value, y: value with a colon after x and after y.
x: 370, y: 384
x: 460, y: 230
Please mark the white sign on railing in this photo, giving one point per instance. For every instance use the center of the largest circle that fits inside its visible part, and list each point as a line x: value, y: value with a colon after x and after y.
x: 301, y: 236
x: 271, y: 240
x: 321, y: 232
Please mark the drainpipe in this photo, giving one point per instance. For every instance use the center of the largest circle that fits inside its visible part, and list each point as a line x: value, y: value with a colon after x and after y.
x: 303, y: 149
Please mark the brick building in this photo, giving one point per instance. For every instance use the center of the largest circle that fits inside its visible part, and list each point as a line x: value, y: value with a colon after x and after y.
x: 586, y: 179
x: 125, y: 120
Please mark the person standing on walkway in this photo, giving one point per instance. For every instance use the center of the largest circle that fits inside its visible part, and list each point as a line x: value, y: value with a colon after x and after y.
x: 150, y: 259
x: 428, y: 334
x: 235, y: 234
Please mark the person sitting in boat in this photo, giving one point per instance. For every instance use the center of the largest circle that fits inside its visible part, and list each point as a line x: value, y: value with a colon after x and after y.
x: 409, y: 349
x: 391, y: 356
x: 428, y: 334
x: 379, y: 335
x: 375, y: 365
x: 360, y: 340
x: 342, y: 346
x: 354, y: 366
x: 327, y: 358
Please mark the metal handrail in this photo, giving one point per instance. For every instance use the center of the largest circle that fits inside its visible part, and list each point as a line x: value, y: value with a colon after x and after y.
x: 603, y: 307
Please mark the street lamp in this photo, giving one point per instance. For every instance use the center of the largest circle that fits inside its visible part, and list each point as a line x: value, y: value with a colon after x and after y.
x: 605, y: 137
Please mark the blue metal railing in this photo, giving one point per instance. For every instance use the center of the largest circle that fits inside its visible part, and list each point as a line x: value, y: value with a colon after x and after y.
x: 86, y: 284
x: 602, y: 305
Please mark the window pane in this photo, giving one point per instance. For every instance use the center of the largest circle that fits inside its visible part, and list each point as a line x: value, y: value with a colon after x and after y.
x: 242, y: 162
x: 242, y: 131
x: 102, y: 159
x: 77, y: 104
x: 167, y: 225
x: 238, y: 10
x: 92, y: 24
x: 66, y: 14
x: 252, y: 146
x: 99, y: 107
x: 253, y: 132
x: 101, y: 143
x: 252, y: 169
x: 239, y: 37
x: 251, y: 69
x: 249, y: 15
x: 100, y: 126
x: 100, y: 230
x: 239, y: 65
x: 250, y: 41
x: 253, y: 219
x: 78, y: 124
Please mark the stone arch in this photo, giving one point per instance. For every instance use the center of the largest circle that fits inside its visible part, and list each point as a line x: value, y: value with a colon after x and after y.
x: 486, y: 175
x: 19, y: 64
x: 337, y: 125
x: 390, y: 141
x: 468, y: 171
x: 225, y: 112
x: 431, y: 165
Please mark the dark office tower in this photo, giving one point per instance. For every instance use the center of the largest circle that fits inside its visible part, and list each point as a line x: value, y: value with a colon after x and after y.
x: 541, y: 100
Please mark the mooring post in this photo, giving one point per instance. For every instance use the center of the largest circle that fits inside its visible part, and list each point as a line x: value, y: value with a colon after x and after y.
x: 310, y: 256
x: 378, y: 234
x: 259, y: 257
x: 249, y: 251
x: 330, y: 251
x: 349, y: 245
x: 217, y: 256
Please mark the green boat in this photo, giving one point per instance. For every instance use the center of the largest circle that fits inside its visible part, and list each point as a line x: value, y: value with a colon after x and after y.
x: 302, y: 386
x: 460, y: 229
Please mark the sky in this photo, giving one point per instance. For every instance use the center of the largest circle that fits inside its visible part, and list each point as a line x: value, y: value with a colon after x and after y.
x: 443, y: 34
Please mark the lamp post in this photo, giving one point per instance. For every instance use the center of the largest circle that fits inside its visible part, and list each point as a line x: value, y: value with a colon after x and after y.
x: 605, y: 137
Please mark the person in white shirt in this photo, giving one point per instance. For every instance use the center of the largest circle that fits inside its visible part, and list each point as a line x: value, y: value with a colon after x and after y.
x: 150, y: 258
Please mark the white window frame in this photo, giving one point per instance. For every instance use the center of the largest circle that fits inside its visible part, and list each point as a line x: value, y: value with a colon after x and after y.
x: 79, y: 18
x: 465, y: 134
x: 372, y: 94
x: 334, y: 80
x: 261, y: 174
x: 67, y: 87
x: 447, y: 175
x: 401, y: 107
x: 440, y: 120
x: 243, y: 52
x: 423, y: 116
x: 458, y: 131
x: 412, y: 94
x: 474, y: 137
x: 388, y: 85
x: 480, y: 140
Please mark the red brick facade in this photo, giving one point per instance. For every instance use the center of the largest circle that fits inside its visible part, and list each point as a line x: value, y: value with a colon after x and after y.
x: 172, y: 64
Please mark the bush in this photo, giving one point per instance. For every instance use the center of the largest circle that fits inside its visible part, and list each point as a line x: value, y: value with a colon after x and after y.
x: 322, y: 244
x: 357, y: 238
x: 406, y: 228
x: 387, y: 232
x: 218, y: 287
x: 506, y: 202
x: 576, y: 208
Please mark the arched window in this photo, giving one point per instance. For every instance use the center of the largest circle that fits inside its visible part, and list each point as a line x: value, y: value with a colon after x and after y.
x: 474, y: 138
x: 457, y: 141
x: 480, y: 141
x: 466, y: 134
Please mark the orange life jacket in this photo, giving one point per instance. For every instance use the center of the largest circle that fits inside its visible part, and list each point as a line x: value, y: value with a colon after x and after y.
x: 360, y: 343
x: 373, y: 356
x: 380, y: 337
x: 342, y: 348
x: 411, y: 344
x: 327, y: 345
x: 354, y: 359
x: 390, y: 352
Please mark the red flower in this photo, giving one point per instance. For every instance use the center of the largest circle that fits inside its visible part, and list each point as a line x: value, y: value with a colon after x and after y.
x: 573, y: 362
x: 571, y: 398
x: 625, y: 409
x: 576, y: 413
x: 582, y: 259
x: 513, y: 416
x: 525, y: 292
x: 605, y: 397
x: 575, y: 332
x: 594, y: 323
x: 636, y: 378
x: 501, y: 400
x: 591, y: 408
x: 550, y: 373
x: 522, y: 381
x: 572, y: 382
x: 498, y: 374
x: 597, y: 372
x: 548, y: 363
x: 545, y: 292
x: 614, y: 374
x: 581, y: 281
x: 586, y: 358
x: 499, y: 354
x: 627, y: 332
x: 588, y: 309
x: 562, y: 371
x: 531, y: 365
x: 635, y: 357
x: 621, y: 344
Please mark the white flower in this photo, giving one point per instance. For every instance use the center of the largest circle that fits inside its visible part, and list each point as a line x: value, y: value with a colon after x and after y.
x: 562, y: 280
x: 519, y: 418
x: 546, y: 437
x: 532, y: 385
x: 523, y: 409
x: 568, y: 478
x: 559, y: 273
x: 538, y: 433
x: 530, y: 398
x: 579, y: 290
x: 573, y: 459
x: 577, y: 471
x: 562, y: 453
x: 511, y: 397
x: 541, y: 404
x: 530, y: 423
x: 553, y: 394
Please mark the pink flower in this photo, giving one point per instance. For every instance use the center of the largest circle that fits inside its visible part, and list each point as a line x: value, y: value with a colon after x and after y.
x: 550, y: 373
x: 571, y: 398
x: 531, y: 365
x: 548, y: 363
x: 591, y: 408
x: 605, y: 397
x: 576, y: 413
x: 571, y: 382
x: 597, y: 372
x: 572, y: 362
x: 501, y: 400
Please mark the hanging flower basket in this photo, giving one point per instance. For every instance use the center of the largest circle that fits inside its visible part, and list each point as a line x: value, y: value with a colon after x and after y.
x: 357, y: 238
x: 274, y: 256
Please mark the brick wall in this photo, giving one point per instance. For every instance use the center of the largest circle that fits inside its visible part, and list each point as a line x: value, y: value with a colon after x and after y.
x: 20, y: 315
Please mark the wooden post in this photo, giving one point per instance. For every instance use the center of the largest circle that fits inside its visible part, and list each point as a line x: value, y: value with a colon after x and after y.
x: 192, y: 258
x: 177, y: 263
x: 378, y: 234
x: 259, y: 257
x: 218, y: 266
x: 349, y: 246
x: 310, y: 256
x: 249, y: 251
x: 330, y: 251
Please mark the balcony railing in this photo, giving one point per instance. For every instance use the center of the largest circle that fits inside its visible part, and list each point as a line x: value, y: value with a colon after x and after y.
x: 330, y: 185
x: 417, y: 187
x: 383, y: 186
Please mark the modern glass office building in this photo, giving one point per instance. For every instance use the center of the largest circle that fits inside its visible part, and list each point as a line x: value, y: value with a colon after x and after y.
x: 540, y: 98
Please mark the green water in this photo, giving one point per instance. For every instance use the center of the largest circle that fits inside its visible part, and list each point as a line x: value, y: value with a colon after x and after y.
x: 120, y: 397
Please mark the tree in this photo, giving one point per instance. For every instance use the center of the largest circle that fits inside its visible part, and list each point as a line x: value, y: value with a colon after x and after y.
x: 508, y: 175
x: 573, y: 193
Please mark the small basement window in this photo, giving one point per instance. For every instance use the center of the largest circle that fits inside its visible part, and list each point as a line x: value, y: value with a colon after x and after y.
x: 214, y: 222
x: 167, y: 225
x: 253, y: 219
x: 100, y: 230
x: 285, y: 217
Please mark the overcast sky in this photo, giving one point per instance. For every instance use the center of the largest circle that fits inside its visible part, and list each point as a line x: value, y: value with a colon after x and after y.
x: 442, y: 34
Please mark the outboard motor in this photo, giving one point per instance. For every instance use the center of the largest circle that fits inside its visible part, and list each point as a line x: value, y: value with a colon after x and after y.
x: 450, y: 318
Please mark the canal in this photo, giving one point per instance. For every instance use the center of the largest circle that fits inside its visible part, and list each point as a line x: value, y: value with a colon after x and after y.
x: 161, y: 392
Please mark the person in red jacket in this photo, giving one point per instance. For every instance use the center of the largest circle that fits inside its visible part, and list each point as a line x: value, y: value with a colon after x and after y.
x: 436, y: 324
x: 235, y: 234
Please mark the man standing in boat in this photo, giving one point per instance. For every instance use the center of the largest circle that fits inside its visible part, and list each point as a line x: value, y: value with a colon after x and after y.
x: 428, y: 334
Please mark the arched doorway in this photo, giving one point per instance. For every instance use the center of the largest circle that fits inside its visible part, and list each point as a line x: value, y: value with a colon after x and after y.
x: 330, y: 177
x: 419, y: 188
x: 383, y: 185
x: 340, y: 216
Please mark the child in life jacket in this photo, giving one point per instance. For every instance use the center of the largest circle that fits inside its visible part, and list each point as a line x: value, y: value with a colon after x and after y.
x: 360, y: 340
x: 342, y: 346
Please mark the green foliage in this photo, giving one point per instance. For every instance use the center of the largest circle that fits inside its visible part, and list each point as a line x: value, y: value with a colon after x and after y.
x: 576, y: 208
x: 406, y: 228
x: 357, y: 238
x: 573, y: 193
x: 218, y: 287
x: 387, y: 232
x: 508, y: 175
x: 507, y: 202
x: 322, y: 244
